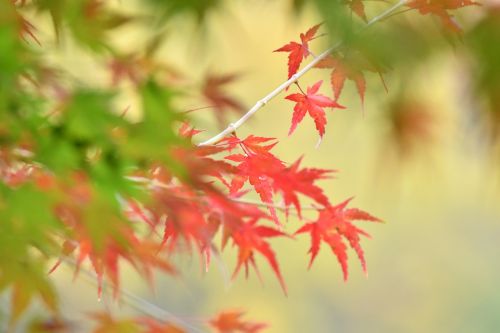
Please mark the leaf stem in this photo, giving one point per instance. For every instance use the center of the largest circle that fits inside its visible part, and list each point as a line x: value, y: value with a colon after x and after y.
x: 302, y: 91
x: 261, y: 103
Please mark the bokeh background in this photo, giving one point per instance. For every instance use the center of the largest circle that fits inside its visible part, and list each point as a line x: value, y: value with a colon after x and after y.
x: 433, y: 178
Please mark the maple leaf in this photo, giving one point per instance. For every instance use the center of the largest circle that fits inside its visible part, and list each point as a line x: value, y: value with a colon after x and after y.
x: 257, y: 166
x: 351, y: 69
x: 214, y: 93
x: 293, y: 180
x: 412, y: 124
x: 298, y: 51
x: 440, y: 9
x: 231, y: 322
x: 249, y: 238
x: 311, y: 103
x: 358, y: 8
x: 334, y: 224
x: 255, y: 169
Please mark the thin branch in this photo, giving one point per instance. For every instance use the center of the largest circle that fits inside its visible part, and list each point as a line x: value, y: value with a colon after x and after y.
x: 263, y: 204
x: 138, y: 303
x: 154, y: 183
x: 200, y: 108
x: 260, y: 104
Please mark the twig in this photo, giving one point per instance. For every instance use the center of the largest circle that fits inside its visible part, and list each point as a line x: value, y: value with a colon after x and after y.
x: 261, y: 103
x: 140, y: 304
x: 154, y: 183
x: 263, y: 204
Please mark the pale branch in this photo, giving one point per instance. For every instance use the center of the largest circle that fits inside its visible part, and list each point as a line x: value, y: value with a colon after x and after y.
x: 138, y: 303
x: 154, y: 183
x: 231, y: 128
x: 269, y: 205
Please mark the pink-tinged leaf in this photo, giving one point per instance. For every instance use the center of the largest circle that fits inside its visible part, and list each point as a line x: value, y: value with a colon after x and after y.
x: 333, y: 225
x: 311, y: 103
x: 249, y: 239
x: 294, y: 180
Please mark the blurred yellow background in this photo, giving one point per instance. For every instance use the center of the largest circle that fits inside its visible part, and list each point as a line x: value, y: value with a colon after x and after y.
x: 432, y: 265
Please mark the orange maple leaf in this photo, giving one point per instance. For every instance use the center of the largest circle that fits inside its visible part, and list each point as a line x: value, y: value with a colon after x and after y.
x: 298, y: 51
x: 440, y: 9
x: 231, y: 322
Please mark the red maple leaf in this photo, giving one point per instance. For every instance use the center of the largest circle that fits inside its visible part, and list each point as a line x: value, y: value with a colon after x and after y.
x: 334, y: 224
x: 293, y: 180
x: 256, y: 166
x: 298, y: 51
x: 213, y: 92
x: 231, y: 322
x: 255, y: 169
x: 249, y: 238
x: 313, y: 104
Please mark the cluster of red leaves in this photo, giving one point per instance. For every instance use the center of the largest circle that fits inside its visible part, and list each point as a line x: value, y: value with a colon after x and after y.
x: 342, y: 68
x: 348, y: 66
x: 104, y: 244
x: 191, y: 211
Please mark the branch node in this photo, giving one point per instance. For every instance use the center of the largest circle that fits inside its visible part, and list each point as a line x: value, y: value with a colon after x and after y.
x: 232, y: 128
